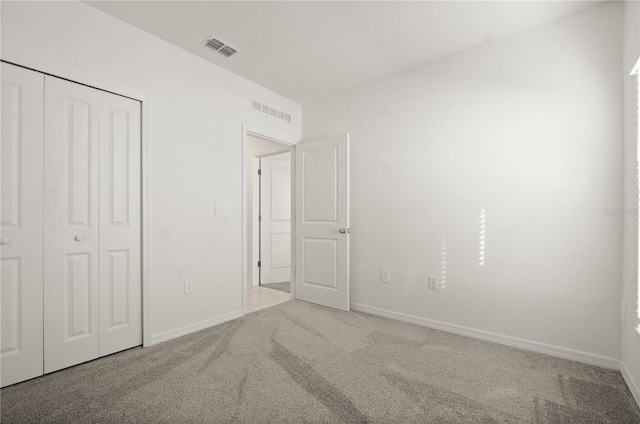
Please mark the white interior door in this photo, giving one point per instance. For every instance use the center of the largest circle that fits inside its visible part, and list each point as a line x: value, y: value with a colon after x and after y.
x: 21, y: 230
x: 322, y: 221
x: 275, y: 218
x: 92, y: 224
x: 120, y: 230
x: 71, y: 223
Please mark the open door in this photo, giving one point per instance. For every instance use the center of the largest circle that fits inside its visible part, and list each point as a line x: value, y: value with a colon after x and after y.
x: 275, y: 219
x: 322, y: 222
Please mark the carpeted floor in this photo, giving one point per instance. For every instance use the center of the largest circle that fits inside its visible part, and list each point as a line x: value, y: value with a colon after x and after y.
x: 300, y: 363
x: 286, y: 286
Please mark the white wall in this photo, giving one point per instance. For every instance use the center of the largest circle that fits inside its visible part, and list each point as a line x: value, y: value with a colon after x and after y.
x: 630, y: 339
x: 194, y: 130
x: 526, y: 128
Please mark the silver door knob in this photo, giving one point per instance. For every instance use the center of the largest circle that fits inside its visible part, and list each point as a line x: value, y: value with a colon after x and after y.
x: 78, y: 238
x: 4, y: 240
x: 344, y: 230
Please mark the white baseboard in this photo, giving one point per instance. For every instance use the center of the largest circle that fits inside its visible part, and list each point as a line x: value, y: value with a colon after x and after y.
x: 631, y: 383
x: 191, y: 328
x: 561, y: 352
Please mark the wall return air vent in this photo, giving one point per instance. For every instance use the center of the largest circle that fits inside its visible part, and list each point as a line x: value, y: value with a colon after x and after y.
x: 219, y: 46
x: 272, y: 112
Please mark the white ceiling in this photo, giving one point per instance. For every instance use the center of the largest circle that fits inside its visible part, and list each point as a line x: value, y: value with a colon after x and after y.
x: 310, y: 50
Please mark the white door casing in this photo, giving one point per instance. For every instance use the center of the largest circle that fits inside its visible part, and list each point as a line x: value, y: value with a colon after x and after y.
x: 322, y: 221
x: 275, y: 218
x: 21, y: 229
x: 92, y: 226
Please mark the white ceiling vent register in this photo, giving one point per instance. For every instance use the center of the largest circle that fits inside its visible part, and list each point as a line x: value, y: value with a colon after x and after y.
x: 271, y: 111
x: 219, y: 46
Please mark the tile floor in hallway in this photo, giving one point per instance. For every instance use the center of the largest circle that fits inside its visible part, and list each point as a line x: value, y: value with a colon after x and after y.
x: 260, y: 297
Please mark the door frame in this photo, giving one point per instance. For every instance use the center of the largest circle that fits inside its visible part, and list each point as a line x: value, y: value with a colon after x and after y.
x: 287, y: 146
x: 257, y: 208
x: 145, y: 143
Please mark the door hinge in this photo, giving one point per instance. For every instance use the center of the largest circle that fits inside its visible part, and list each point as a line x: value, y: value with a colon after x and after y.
x: 259, y: 218
x: 259, y: 263
x: 259, y: 171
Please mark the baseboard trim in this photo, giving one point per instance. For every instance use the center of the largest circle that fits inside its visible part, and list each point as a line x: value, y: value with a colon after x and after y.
x: 191, y: 328
x: 633, y: 386
x: 561, y: 352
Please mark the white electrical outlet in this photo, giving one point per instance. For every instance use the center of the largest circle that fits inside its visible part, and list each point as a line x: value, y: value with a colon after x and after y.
x: 433, y: 282
x: 385, y: 275
x: 188, y: 284
x: 623, y: 312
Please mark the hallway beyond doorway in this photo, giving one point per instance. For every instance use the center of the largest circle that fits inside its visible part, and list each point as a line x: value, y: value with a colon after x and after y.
x: 260, y: 297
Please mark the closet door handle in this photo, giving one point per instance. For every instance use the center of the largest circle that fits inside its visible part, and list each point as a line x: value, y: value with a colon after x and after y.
x: 4, y: 240
x: 78, y: 238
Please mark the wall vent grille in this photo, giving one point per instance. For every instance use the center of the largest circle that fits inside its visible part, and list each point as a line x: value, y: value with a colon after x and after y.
x: 271, y: 111
x: 217, y: 45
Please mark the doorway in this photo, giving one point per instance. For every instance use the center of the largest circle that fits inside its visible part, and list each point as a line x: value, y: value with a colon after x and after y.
x: 268, y: 199
x: 274, y: 221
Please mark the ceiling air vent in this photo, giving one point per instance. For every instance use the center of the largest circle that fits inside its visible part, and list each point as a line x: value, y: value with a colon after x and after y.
x: 270, y: 111
x: 219, y: 46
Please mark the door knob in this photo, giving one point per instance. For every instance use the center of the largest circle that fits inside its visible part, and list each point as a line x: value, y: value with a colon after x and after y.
x: 78, y: 238
x: 344, y: 230
x: 4, y: 240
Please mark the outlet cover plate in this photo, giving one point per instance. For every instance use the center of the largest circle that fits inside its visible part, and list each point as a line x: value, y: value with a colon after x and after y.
x: 433, y: 282
x: 188, y: 285
x: 223, y: 209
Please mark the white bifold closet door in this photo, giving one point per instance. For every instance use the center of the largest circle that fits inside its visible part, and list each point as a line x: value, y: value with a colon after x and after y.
x: 92, y: 291
x: 92, y: 230
x: 21, y: 229
x: 71, y: 225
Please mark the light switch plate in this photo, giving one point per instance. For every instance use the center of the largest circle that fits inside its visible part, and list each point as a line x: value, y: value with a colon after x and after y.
x: 385, y: 275
x: 223, y: 209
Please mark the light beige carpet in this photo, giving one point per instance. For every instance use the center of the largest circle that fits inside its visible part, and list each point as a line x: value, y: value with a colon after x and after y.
x: 300, y: 363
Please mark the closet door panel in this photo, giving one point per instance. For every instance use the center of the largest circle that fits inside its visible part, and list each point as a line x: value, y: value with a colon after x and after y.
x: 120, y: 231
x: 21, y: 228
x: 71, y: 223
